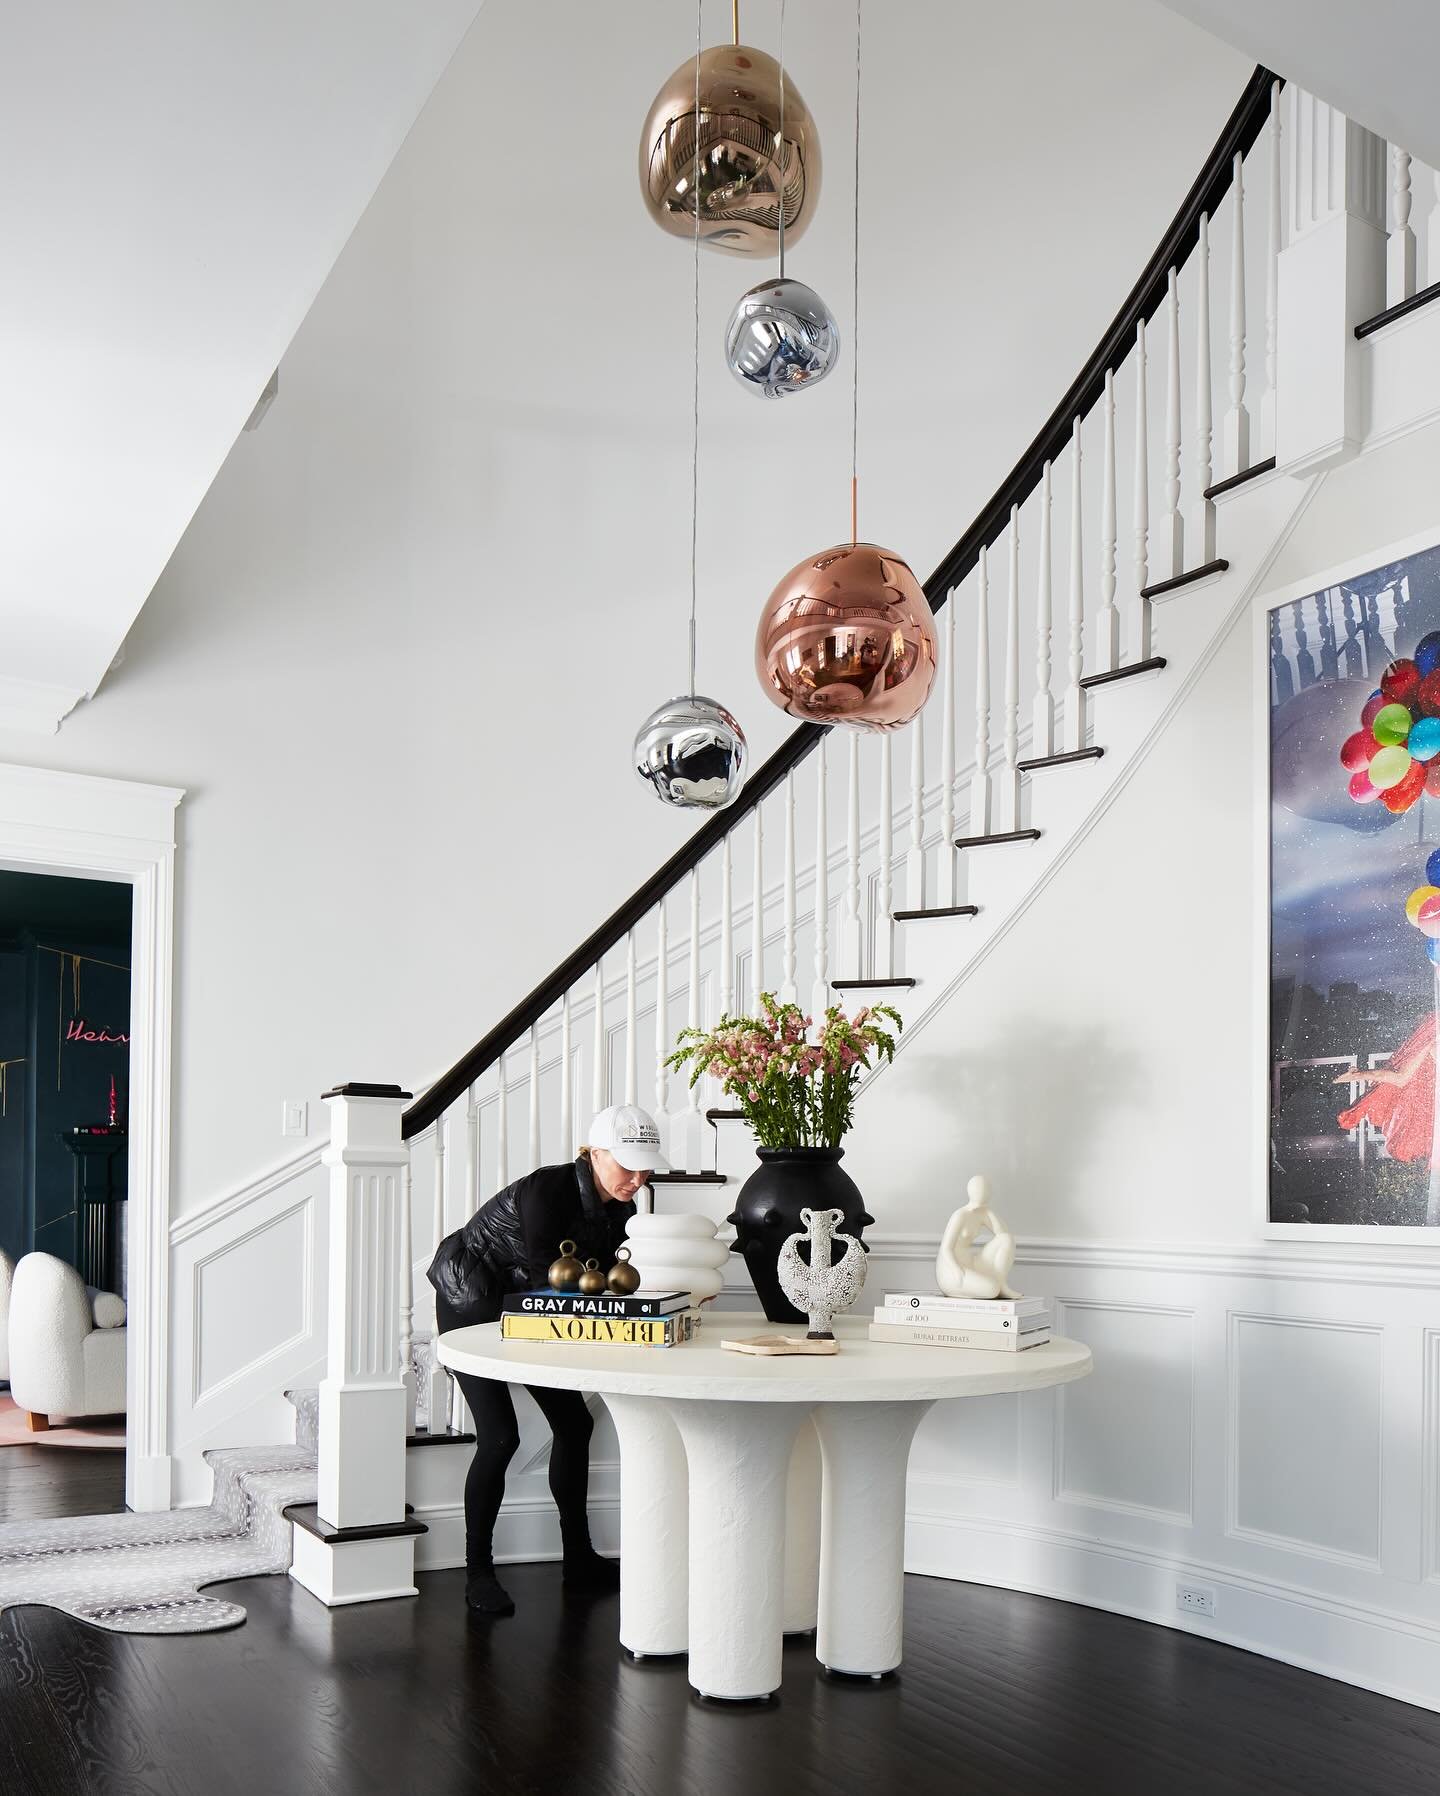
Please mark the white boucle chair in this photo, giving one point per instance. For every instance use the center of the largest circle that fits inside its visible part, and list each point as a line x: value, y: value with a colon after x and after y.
x: 7, y: 1273
x: 67, y: 1350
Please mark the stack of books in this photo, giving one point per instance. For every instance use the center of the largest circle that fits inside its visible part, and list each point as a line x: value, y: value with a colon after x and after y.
x: 994, y: 1324
x: 650, y: 1319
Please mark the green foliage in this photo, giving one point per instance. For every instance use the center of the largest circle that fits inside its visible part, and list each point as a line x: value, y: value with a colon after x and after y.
x: 795, y: 1085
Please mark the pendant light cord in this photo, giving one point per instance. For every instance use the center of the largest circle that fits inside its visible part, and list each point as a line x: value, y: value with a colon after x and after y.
x: 855, y: 340
x: 784, y: 159
x: 695, y: 390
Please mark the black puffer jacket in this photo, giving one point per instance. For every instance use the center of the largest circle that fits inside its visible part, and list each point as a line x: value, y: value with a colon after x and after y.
x: 508, y: 1244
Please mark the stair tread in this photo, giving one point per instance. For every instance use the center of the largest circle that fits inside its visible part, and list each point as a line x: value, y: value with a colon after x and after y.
x: 713, y: 1116
x: 1189, y: 578
x: 942, y: 910
x: 860, y: 985
x: 307, y: 1516
x: 688, y: 1178
x: 1152, y: 665
x: 447, y: 1437
x: 1009, y: 835
x: 1252, y: 473
x: 1070, y: 757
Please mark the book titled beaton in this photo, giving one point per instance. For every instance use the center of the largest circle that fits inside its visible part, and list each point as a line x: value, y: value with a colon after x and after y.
x: 572, y: 1303
x: 619, y: 1331
x: 988, y: 1340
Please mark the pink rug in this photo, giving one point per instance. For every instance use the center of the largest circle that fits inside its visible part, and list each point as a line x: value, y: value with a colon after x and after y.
x: 105, y: 1433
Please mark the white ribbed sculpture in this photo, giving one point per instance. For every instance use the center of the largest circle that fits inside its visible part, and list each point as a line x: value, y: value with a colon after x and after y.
x: 677, y: 1253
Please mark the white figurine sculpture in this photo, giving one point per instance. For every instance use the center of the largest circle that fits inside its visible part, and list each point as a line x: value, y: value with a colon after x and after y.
x: 962, y: 1267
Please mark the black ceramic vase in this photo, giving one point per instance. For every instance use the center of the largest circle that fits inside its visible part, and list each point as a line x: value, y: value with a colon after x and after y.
x: 767, y: 1212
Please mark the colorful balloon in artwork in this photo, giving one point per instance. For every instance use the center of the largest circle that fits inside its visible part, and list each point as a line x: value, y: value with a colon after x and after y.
x: 1391, y: 725
x: 1432, y: 948
x: 1400, y: 682
x: 1423, y: 741
x: 1371, y: 709
x: 1400, y: 798
x: 1421, y: 895
x: 1432, y: 868
x: 1356, y: 750
x: 1389, y: 767
x: 1427, y: 699
x: 1427, y: 918
x: 1361, y: 789
x: 1432, y: 780
x: 1427, y: 653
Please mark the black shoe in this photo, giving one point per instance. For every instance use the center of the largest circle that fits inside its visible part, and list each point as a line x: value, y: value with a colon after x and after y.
x: 486, y: 1595
x: 589, y: 1572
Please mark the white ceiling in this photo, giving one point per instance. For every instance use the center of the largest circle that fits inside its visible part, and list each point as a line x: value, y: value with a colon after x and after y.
x: 1377, y: 61
x: 182, y: 176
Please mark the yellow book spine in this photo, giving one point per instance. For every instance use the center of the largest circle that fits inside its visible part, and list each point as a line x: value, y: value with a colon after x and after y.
x: 622, y: 1331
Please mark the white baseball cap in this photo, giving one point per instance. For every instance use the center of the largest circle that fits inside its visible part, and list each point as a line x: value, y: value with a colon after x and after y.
x: 629, y: 1133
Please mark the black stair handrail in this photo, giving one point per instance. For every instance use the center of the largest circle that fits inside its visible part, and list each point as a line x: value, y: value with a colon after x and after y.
x: 1241, y: 130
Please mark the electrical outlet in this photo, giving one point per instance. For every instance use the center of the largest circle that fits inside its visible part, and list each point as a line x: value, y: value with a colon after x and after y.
x: 1194, y: 1599
x: 294, y: 1117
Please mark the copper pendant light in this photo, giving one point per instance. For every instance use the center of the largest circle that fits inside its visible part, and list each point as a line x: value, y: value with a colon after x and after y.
x: 847, y: 637
x: 749, y: 171
x: 690, y: 751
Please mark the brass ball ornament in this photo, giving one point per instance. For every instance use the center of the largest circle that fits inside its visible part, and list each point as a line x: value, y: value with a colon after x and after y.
x: 848, y: 637
x: 781, y: 338
x: 745, y: 166
x: 691, y: 752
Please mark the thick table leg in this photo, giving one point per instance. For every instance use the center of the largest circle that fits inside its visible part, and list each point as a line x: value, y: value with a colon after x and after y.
x: 865, y: 1447
x: 654, y: 1528
x: 739, y: 1456
x: 802, y: 1533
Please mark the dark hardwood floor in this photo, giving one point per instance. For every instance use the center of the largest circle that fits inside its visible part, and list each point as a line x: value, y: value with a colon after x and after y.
x: 39, y: 1482
x: 1000, y: 1695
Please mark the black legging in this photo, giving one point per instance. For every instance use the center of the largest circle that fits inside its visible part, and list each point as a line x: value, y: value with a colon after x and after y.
x: 497, y: 1437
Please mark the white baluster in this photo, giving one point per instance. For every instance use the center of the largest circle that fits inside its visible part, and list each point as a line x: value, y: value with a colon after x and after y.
x: 568, y: 1143
x: 663, y: 1043
x: 820, y: 990
x: 789, y: 986
x: 407, y: 1295
x: 915, y: 858
x: 1400, y: 249
x: 1273, y: 228
x: 1142, y: 495
x: 600, y: 1046
x: 1074, y: 692
x: 632, y: 1040
x: 534, y: 1097
x: 980, y: 778
x: 1432, y: 237
x: 438, y: 1201
x: 847, y: 947
x: 884, y: 927
x: 1202, y: 510
x: 1237, y: 419
x: 949, y: 858
x: 692, y: 1125
x: 470, y: 1197
x: 1107, y: 620
x: 1042, y: 729
x: 1010, y: 789
x: 757, y: 917
x: 1170, y: 549
x: 727, y: 933
x: 502, y: 1125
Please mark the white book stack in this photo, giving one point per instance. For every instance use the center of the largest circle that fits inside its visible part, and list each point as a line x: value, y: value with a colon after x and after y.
x: 994, y: 1325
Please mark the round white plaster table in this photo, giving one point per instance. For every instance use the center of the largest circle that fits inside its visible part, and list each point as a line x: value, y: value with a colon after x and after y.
x: 717, y: 1471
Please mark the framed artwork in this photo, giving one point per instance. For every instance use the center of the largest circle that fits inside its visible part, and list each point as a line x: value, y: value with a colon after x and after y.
x: 1351, y: 844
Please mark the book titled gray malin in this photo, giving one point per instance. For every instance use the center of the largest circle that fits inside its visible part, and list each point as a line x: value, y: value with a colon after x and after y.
x: 993, y: 1325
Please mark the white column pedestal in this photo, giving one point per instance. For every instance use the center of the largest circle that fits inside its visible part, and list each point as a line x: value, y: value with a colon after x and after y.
x: 739, y: 1464
x: 654, y: 1528
x: 802, y: 1533
x: 866, y: 1448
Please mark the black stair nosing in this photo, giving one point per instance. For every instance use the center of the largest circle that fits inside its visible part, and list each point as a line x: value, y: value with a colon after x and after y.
x: 1009, y: 835
x: 1231, y: 481
x: 865, y: 985
x: 447, y: 1437
x: 719, y: 1116
x: 1401, y: 309
x: 1152, y: 665
x: 1191, y: 578
x: 307, y: 1516
x: 942, y: 910
x: 1070, y: 757
x: 688, y: 1178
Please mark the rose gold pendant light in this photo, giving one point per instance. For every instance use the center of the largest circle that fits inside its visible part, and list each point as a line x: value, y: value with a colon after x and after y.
x: 847, y: 636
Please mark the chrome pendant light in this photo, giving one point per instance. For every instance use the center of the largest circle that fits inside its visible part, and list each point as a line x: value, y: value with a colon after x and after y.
x: 847, y: 637
x: 691, y: 751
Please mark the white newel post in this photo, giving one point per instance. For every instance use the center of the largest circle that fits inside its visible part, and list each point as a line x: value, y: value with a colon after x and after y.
x: 359, y: 1547
x: 1331, y: 278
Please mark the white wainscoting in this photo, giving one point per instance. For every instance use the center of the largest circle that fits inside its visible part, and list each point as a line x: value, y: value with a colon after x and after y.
x: 1263, y: 1424
x: 247, y: 1278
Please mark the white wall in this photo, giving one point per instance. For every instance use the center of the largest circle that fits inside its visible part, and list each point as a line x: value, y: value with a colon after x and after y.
x: 398, y: 659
